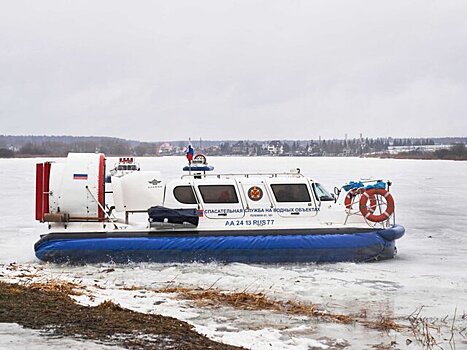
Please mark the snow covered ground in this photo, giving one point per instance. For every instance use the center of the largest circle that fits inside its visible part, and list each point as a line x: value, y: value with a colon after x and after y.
x: 429, y: 271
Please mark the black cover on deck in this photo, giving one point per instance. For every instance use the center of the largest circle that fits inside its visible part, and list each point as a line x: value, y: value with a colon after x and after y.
x: 173, y: 216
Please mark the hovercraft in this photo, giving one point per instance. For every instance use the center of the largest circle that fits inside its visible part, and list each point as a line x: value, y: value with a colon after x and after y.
x: 202, y: 216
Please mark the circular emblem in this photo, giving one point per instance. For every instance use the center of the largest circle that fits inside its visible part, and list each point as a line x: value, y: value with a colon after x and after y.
x: 255, y: 193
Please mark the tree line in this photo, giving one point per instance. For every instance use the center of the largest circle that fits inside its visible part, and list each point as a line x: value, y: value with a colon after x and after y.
x: 60, y: 146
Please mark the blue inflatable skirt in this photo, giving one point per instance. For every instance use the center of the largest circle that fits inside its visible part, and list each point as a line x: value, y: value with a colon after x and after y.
x: 272, y: 248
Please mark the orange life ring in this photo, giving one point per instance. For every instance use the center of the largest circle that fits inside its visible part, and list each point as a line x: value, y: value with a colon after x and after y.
x: 348, y: 201
x: 368, y: 213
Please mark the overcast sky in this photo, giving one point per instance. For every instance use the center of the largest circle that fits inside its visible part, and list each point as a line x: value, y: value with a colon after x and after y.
x: 161, y: 70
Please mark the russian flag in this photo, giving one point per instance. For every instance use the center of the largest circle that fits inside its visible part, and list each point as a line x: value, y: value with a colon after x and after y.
x: 190, y: 153
x: 80, y: 176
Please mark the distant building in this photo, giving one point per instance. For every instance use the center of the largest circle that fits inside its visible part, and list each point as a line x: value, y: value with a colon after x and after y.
x: 275, y: 148
x: 313, y: 149
x: 421, y: 148
x: 166, y: 148
x: 214, y: 150
x: 239, y: 148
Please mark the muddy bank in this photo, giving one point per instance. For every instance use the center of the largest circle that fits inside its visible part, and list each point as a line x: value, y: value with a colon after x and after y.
x: 55, y: 311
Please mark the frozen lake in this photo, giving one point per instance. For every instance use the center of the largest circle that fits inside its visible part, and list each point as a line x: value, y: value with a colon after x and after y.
x: 430, y: 270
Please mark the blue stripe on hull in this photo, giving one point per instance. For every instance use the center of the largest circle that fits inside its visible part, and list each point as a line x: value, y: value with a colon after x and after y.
x: 366, y: 246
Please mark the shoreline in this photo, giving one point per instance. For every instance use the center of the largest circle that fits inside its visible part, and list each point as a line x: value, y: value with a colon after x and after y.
x: 50, y: 307
x: 375, y: 156
x: 127, y: 314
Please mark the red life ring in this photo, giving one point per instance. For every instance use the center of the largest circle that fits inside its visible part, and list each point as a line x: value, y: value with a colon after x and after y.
x: 368, y: 213
x: 348, y: 201
x: 202, y: 157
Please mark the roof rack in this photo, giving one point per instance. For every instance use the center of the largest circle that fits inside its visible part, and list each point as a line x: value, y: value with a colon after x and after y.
x: 246, y: 175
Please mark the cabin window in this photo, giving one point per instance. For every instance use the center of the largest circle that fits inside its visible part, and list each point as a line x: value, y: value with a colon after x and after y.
x: 127, y: 167
x: 321, y: 193
x: 218, y: 193
x: 184, y: 194
x: 291, y: 192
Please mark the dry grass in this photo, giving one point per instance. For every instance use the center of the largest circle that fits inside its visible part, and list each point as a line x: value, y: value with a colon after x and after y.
x: 255, y: 301
x: 383, y: 323
x: 435, y: 333
x: 68, y: 288
x: 425, y: 331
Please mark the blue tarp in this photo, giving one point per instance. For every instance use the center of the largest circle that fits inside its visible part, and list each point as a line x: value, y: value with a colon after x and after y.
x: 351, y: 185
x: 378, y: 185
x: 358, y: 184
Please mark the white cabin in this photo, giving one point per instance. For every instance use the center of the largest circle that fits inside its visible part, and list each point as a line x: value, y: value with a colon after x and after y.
x: 237, y: 201
x: 260, y: 201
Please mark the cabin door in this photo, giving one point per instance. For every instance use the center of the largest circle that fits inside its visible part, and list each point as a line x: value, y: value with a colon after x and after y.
x: 293, y: 199
x: 257, y: 198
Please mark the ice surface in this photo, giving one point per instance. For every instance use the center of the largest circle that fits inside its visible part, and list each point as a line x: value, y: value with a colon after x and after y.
x: 429, y: 271
x: 13, y: 336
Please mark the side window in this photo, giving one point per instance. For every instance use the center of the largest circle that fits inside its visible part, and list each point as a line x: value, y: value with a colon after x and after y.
x: 291, y: 192
x: 218, y: 193
x: 184, y: 194
x: 321, y: 193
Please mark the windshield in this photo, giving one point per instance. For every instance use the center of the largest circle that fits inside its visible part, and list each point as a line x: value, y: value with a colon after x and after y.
x: 322, y: 193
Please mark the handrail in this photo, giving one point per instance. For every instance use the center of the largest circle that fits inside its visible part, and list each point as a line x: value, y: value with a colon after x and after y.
x: 241, y: 197
x: 246, y: 175
x: 266, y: 189
x: 101, y: 207
x: 198, y: 202
x: 240, y: 185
